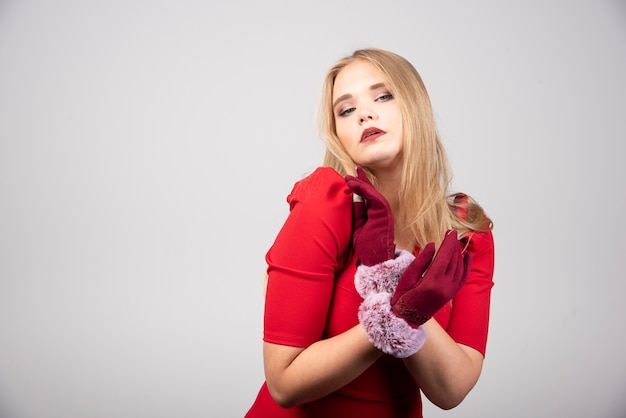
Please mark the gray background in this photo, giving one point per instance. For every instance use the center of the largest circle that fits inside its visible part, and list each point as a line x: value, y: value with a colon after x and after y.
x: 147, y: 147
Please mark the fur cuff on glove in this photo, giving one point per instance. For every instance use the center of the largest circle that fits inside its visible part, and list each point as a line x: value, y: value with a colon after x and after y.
x: 382, y: 277
x: 386, y: 331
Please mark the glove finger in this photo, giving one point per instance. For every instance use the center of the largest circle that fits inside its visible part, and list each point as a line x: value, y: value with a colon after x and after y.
x: 460, y: 276
x: 360, y: 173
x: 462, y: 268
x: 445, y: 255
x: 467, y: 262
x: 361, y: 180
x: 359, y: 214
x: 416, y: 269
x: 351, y: 181
x: 356, y: 186
x: 363, y: 189
x: 377, y: 206
x: 456, y: 263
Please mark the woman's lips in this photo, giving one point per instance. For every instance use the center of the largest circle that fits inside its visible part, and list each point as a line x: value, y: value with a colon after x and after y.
x: 370, y: 134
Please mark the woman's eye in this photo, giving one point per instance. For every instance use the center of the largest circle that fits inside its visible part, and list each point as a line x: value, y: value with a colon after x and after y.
x: 347, y: 111
x: 384, y: 97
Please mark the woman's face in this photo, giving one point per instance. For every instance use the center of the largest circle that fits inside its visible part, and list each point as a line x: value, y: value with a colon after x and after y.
x: 367, y: 117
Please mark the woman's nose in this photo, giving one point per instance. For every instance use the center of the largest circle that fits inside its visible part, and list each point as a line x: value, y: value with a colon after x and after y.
x: 366, y: 115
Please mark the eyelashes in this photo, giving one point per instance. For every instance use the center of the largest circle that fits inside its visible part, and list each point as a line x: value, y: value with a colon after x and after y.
x: 384, y: 97
x: 347, y: 111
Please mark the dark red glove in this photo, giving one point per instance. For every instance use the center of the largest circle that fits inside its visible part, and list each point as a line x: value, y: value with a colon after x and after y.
x: 426, y: 286
x: 373, y: 235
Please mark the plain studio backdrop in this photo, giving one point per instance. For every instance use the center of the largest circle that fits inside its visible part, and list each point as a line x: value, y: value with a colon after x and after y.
x: 147, y: 148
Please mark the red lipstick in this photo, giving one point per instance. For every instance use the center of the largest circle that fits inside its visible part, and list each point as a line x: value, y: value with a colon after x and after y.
x: 371, y: 134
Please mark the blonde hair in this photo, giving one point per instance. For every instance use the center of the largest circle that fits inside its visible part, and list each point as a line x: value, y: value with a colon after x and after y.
x: 427, y: 209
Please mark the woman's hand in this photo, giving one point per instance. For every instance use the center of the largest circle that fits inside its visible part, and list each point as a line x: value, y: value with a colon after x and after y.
x: 426, y: 286
x: 373, y: 234
x: 400, y: 294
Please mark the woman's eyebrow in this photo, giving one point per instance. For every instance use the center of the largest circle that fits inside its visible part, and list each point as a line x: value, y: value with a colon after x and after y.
x: 341, y: 99
x: 347, y: 96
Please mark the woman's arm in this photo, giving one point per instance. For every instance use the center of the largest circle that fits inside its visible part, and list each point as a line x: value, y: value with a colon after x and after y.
x: 445, y: 370
x: 298, y: 375
x: 302, y: 264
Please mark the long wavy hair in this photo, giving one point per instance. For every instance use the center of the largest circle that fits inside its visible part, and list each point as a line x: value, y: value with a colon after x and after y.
x: 428, y: 209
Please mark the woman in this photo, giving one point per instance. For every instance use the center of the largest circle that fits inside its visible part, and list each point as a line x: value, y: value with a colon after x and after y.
x: 361, y: 314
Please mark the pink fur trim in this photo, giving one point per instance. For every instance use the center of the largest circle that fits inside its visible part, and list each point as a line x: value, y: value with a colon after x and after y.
x: 382, y: 277
x: 386, y: 331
